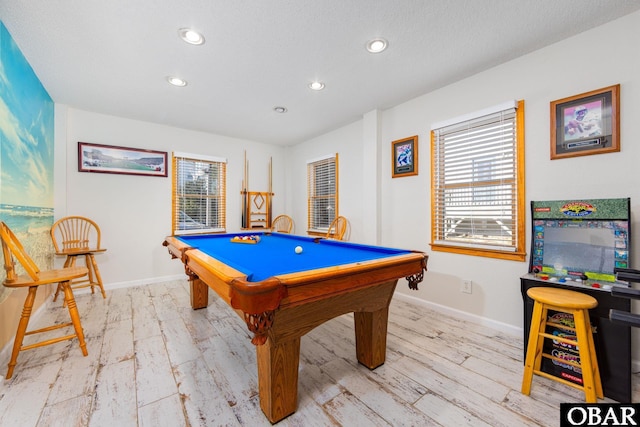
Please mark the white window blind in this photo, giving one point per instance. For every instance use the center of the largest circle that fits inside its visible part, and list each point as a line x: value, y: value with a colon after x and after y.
x: 199, y: 196
x: 476, y: 173
x: 322, y: 190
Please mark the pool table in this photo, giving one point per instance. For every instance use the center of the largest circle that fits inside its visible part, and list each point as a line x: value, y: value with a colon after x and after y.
x: 282, y: 295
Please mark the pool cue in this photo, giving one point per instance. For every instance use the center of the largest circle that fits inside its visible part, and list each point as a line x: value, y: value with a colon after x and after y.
x: 244, y: 192
x: 270, y: 190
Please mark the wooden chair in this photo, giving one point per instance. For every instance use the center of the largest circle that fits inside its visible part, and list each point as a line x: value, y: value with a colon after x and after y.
x: 579, y: 338
x: 74, y: 237
x: 282, y: 224
x: 13, y: 249
x: 337, y: 229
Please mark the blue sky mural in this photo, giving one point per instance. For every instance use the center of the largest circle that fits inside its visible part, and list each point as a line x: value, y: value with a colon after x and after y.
x: 26, y: 131
x: 26, y: 155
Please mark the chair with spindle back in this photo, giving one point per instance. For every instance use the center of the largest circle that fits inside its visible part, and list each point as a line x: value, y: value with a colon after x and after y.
x: 74, y: 237
x: 282, y: 224
x: 337, y: 229
x: 13, y: 250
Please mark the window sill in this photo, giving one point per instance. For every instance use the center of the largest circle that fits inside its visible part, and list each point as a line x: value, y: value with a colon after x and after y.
x: 511, y: 256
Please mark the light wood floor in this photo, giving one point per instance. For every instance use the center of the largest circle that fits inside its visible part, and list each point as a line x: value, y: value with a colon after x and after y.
x: 155, y: 362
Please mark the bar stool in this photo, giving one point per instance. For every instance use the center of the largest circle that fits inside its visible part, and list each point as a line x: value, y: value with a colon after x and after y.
x: 577, y: 304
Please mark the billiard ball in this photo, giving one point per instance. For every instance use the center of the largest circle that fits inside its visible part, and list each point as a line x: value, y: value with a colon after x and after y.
x: 298, y: 249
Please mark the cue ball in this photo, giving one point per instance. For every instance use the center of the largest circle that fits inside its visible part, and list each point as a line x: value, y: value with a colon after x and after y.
x: 298, y: 249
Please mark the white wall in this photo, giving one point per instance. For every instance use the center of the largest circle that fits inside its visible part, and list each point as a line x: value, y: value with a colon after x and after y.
x: 345, y: 141
x: 134, y: 212
x: 598, y: 58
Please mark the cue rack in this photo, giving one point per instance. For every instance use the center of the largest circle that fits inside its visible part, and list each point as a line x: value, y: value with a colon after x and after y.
x: 256, y: 205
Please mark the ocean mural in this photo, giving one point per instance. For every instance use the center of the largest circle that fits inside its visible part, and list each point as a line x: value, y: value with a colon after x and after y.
x: 26, y: 154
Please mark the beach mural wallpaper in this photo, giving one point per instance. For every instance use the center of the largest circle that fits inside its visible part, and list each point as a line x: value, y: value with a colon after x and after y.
x: 26, y: 155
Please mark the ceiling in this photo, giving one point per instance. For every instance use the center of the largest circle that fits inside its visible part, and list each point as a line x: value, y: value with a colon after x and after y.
x: 113, y: 56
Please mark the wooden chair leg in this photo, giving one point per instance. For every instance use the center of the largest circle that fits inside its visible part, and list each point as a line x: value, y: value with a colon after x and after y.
x: 87, y: 262
x: 69, y: 262
x: 75, y: 316
x: 22, y: 328
x: 96, y: 271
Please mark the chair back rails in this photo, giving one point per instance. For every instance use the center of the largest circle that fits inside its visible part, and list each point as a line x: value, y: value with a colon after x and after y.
x: 337, y: 229
x: 76, y: 233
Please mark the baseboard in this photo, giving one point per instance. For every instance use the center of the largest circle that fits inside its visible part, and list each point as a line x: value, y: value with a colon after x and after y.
x: 133, y: 283
x: 500, y: 326
x: 503, y: 327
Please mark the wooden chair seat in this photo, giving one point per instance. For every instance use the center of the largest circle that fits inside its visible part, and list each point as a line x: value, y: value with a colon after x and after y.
x: 79, y: 237
x: 576, y: 304
x: 48, y: 277
x: 13, y: 250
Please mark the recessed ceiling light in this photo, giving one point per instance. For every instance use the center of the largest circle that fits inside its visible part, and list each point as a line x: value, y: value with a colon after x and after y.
x: 280, y: 110
x: 190, y: 36
x: 176, y: 81
x: 377, y: 45
x: 316, y: 85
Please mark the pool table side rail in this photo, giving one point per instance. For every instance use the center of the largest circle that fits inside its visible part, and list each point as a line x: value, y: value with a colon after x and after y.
x: 291, y: 288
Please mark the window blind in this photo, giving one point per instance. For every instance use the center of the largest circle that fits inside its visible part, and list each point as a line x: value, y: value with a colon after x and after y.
x: 322, y: 190
x: 475, y: 182
x: 199, y: 196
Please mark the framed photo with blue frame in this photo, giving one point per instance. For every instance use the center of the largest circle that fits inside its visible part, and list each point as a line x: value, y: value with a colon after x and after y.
x: 586, y: 124
x: 404, y: 157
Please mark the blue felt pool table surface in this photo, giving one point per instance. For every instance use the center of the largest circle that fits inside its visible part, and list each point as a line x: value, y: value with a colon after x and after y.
x: 275, y: 253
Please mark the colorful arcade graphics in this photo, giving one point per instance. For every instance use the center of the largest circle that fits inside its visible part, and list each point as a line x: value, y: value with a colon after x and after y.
x: 577, y: 245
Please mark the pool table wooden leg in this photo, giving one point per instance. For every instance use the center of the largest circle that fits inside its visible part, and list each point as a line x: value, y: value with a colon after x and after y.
x: 371, y: 337
x: 278, y: 377
x: 199, y: 293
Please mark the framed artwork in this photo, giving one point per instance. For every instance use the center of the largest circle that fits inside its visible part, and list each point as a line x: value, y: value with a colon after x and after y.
x: 121, y: 160
x: 586, y: 124
x: 404, y: 157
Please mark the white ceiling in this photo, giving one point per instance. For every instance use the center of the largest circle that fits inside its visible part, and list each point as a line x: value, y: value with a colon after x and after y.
x: 112, y: 56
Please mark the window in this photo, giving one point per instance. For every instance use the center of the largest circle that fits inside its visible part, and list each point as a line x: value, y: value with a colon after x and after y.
x: 199, y: 193
x: 477, y: 188
x: 322, y: 190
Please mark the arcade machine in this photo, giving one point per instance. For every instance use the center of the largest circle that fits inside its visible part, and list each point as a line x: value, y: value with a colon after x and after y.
x: 580, y: 245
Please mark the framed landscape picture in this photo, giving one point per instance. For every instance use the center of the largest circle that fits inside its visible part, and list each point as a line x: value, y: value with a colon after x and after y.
x: 121, y: 160
x: 404, y: 157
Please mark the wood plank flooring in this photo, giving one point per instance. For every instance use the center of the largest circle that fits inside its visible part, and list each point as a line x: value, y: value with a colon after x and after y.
x: 153, y: 361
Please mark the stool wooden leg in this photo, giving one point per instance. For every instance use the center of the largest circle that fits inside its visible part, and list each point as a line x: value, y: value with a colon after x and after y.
x: 69, y: 262
x: 96, y: 271
x: 584, y: 348
x: 75, y: 316
x: 22, y: 328
x: 87, y: 262
x: 533, y: 347
x: 594, y: 361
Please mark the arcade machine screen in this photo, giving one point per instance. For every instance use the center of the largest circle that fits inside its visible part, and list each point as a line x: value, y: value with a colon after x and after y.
x: 577, y: 244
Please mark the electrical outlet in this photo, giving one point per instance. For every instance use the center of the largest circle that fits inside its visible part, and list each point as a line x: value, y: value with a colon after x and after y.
x: 466, y: 286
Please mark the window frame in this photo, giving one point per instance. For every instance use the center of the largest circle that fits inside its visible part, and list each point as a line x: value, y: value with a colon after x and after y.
x: 177, y: 195
x: 517, y: 251
x: 313, y: 164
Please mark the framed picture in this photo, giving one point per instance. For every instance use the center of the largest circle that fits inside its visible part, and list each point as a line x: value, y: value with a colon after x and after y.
x: 404, y: 157
x: 122, y: 160
x: 586, y: 124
